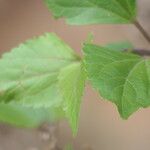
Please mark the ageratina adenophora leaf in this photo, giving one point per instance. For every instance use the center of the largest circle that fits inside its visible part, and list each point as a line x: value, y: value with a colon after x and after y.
x: 120, y: 77
x: 29, y: 73
x: 71, y: 84
x: 42, y: 73
x: 94, y: 11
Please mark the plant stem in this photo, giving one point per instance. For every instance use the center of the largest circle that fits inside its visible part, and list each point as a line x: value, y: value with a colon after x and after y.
x: 142, y: 30
x: 141, y: 52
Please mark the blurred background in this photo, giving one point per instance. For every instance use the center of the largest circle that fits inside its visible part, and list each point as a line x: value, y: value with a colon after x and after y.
x: 100, y: 127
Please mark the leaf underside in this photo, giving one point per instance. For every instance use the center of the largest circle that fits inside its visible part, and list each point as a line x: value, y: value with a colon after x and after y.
x: 34, y: 80
x: 120, y: 77
x: 93, y: 11
x: 71, y: 83
x: 30, y: 72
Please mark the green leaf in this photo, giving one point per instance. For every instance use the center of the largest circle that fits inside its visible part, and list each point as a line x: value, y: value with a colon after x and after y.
x: 94, y: 11
x: 72, y: 83
x: 122, y: 78
x: 120, y: 46
x: 29, y: 73
x: 21, y: 116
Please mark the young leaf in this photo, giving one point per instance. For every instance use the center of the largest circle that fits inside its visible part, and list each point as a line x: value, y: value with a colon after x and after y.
x: 122, y: 78
x: 94, y: 11
x: 29, y: 72
x: 20, y: 116
x: 71, y: 83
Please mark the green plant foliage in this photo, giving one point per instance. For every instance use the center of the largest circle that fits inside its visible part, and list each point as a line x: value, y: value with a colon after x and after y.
x: 120, y: 77
x: 71, y: 83
x: 21, y: 116
x: 43, y: 79
x: 94, y: 11
x: 120, y: 46
x: 45, y: 74
x: 30, y: 71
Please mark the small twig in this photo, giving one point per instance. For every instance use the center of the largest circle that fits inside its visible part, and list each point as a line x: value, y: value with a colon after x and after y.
x: 142, y: 30
x: 141, y: 52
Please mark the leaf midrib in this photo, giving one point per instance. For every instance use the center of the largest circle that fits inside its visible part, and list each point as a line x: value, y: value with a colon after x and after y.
x: 115, y: 1
x: 87, y: 7
x: 127, y: 80
x: 117, y: 61
x: 57, y: 58
x: 31, y: 77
